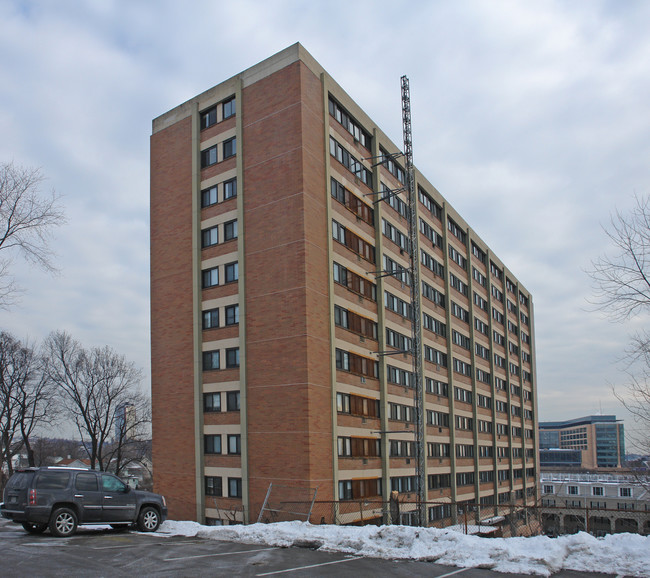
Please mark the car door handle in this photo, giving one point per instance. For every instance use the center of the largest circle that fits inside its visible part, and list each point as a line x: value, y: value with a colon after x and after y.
x: 108, y: 497
x: 78, y: 495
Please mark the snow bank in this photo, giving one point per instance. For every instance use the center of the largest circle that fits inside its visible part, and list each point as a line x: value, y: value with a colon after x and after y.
x: 614, y: 554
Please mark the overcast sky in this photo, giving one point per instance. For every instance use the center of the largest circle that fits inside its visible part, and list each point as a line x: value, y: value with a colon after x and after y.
x: 531, y: 118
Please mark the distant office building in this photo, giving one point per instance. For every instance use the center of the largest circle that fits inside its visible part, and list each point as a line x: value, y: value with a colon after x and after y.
x: 595, y: 441
x: 124, y: 421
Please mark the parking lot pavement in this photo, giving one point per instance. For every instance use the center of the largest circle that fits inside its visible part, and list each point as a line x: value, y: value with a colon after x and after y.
x: 105, y: 552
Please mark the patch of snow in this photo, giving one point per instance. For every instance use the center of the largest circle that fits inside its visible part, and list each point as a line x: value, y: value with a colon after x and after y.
x: 540, y: 555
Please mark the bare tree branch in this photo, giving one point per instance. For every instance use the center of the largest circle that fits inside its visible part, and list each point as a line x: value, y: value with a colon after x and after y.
x: 27, y: 218
x: 622, y: 290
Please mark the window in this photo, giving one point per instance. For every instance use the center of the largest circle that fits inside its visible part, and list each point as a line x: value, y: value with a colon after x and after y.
x: 464, y: 451
x: 211, y: 319
x: 232, y: 272
x: 457, y: 258
x: 229, y: 108
x: 399, y: 376
x: 429, y: 232
x: 353, y: 242
x: 230, y: 189
x: 350, y: 162
x: 433, y: 325
x: 343, y: 402
x: 209, y: 157
x: 459, y: 285
x: 209, y: 117
x: 437, y: 418
x: 344, y: 447
x: 573, y: 490
x: 232, y: 401
x: 437, y: 450
x: 351, y: 202
x: 403, y: 484
x: 112, y: 484
x: 232, y: 315
x: 234, y: 444
x: 212, y: 444
x: 439, y: 481
x: 462, y: 367
x: 351, y: 125
x: 463, y: 395
x: 456, y: 230
x: 86, y: 483
x: 465, y: 478
x: 432, y: 294
x: 232, y: 357
x: 213, y: 486
x: 210, y: 277
x: 434, y: 208
x: 434, y: 356
x: 354, y: 282
x: 388, y: 160
x: 230, y: 230
x: 211, y: 402
x: 347, y: 361
x: 52, y: 480
x: 432, y: 264
x: 234, y: 487
x: 436, y: 387
x: 460, y: 312
x: 345, y: 490
x: 598, y: 491
x: 625, y: 492
x: 209, y: 196
x: 209, y: 237
x: 210, y: 360
x: 229, y: 147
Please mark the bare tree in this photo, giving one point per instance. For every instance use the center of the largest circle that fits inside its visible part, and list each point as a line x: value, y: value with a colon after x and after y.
x: 96, y: 385
x: 9, y: 375
x: 27, y: 218
x: 622, y: 288
x: 26, y: 397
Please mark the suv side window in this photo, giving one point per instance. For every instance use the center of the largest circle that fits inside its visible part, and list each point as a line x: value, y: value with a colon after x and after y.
x: 52, y: 480
x: 86, y: 482
x: 112, y: 484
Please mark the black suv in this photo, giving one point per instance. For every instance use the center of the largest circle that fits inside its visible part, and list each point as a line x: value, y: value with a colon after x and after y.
x: 59, y: 498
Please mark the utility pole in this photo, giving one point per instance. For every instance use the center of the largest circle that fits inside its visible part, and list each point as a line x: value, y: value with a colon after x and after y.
x: 416, y: 318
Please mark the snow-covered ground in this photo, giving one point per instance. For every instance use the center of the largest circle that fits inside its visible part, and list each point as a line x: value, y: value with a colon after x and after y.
x: 619, y: 554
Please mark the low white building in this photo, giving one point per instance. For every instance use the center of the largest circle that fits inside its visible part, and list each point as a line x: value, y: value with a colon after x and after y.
x: 597, y: 503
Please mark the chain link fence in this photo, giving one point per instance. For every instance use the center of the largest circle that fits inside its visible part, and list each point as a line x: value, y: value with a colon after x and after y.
x: 503, y: 520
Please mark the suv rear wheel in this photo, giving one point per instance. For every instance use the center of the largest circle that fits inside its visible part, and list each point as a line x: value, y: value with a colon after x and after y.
x: 34, y: 528
x: 149, y: 519
x: 63, y: 522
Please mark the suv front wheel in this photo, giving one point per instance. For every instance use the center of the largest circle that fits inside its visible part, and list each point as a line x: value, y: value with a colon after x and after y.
x: 149, y: 519
x: 63, y: 522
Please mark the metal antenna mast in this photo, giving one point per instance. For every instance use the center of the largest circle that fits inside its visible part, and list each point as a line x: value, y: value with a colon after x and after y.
x: 416, y: 320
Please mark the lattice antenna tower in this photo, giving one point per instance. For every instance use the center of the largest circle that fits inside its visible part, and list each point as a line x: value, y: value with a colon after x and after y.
x: 416, y: 318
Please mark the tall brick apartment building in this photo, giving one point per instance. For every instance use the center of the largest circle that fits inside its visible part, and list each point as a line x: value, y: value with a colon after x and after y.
x: 270, y: 317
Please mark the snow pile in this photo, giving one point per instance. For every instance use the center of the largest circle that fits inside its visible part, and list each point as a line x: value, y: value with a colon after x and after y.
x: 614, y: 554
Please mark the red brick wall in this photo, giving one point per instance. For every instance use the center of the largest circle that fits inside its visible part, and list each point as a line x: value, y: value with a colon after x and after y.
x: 172, y: 360
x: 286, y: 269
